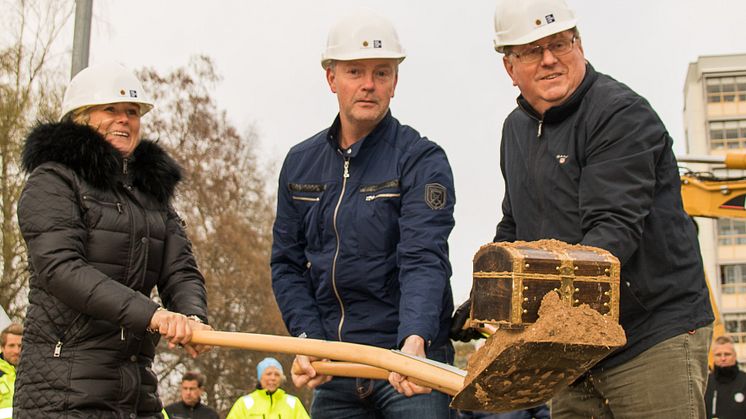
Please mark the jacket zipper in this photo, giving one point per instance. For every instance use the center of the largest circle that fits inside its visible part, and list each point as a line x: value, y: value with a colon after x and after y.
x: 345, y: 175
x: 306, y: 198
x: 145, y: 239
x: 58, y: 346
x: 530, y: 115
x: 382, y: 195
x: 117, y: 204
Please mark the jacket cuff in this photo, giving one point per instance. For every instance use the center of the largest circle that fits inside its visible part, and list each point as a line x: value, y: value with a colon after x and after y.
x: 144, y: 308
x: 407, y: 332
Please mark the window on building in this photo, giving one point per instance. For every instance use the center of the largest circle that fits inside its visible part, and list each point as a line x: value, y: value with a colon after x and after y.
x: 733, y: 279
x: 725, y: 89
x: 735, y: 325
x: 731, y: 231
x: 728, y: 134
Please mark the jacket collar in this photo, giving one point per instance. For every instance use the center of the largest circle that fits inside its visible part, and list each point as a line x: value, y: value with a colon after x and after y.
x: 332, y: 135
x: 195, y: 407
x: 726, y: 374
x: 91, y: 157
x: 275, y: 394
x: 560, y: 112
x: 5, y: 366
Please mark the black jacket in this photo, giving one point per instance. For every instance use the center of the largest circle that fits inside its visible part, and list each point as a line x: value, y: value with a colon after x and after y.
x: 179, y: 410
x: 100, y: 234
x: 599, y: 170
x: 726, y: 390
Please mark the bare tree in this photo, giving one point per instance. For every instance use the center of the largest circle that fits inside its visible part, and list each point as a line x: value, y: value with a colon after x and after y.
x: 30, y: 89
x: 228, y: 211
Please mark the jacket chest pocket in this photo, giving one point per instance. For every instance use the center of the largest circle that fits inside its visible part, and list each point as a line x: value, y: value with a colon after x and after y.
x: 307, y: 199
x: 101, y: 211
x: 377, y: 223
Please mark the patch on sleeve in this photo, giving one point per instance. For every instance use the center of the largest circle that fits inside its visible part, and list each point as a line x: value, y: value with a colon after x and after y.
x: 436, y: 196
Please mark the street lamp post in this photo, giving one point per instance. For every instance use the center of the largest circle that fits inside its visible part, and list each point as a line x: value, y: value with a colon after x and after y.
x: 82, y: 36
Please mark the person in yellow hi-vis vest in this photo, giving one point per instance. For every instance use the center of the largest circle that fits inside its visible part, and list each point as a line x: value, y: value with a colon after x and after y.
x: 10, y: 342
x: 268, y: 400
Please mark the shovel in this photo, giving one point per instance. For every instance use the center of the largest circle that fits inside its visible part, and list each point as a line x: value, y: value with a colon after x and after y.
x: 511, y: 371
x: 436, y: 375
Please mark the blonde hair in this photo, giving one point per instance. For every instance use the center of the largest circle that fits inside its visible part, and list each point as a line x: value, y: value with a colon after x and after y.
x: 81, y: 115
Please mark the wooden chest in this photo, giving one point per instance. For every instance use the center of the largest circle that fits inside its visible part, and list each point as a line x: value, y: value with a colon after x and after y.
x: 510, y: 279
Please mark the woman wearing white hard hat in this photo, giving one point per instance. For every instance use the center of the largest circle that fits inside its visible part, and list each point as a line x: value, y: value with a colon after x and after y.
x: 97, y: 219
x: 268, y: 400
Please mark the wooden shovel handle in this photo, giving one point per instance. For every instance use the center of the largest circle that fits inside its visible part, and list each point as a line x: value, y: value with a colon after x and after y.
x: 351, y: 369
x: 443, y: 380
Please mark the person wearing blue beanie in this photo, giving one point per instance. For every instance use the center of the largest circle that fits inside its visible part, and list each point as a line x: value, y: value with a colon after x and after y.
x: 266, y: 363
x: 268, y: 400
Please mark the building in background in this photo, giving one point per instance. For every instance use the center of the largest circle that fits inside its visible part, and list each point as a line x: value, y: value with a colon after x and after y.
x: 715, y: 124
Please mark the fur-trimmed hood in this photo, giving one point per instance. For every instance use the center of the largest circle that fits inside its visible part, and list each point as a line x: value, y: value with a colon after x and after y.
x: 86, y: 152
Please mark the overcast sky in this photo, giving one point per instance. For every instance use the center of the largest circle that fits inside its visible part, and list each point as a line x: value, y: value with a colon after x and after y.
x: 452, y: 85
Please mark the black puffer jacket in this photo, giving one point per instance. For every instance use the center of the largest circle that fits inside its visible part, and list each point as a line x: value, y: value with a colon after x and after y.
x: 100, y: 234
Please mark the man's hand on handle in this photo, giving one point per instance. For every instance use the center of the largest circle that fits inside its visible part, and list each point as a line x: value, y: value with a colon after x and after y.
x: 303, y: 373
x: 413, y: 345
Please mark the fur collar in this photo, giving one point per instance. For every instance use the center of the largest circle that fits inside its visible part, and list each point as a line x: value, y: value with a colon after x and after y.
x: 91, y: 157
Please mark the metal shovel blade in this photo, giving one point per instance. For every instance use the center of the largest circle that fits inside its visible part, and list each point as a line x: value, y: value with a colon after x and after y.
x: 524, y: 375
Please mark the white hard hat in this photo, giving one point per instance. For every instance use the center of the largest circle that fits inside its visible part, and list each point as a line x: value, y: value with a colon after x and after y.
x: 101, y: 84
x: 520, y: 22
x: 360, y: 36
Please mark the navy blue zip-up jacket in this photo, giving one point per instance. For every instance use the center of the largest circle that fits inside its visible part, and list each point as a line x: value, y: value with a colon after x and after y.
x: 360, y: 250
x: 599, y: 170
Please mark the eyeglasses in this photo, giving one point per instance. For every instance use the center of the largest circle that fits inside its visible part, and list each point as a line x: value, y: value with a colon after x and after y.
x: 534, y: 54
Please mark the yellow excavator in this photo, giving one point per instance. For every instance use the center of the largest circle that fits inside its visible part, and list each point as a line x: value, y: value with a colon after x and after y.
x: 707, y: 195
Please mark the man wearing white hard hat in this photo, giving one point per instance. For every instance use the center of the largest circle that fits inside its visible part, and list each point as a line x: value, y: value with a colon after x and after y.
x: 587, y: 160
x: 360, y: 251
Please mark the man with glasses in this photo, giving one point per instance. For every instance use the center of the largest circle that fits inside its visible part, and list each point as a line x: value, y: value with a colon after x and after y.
x: 587, y: 160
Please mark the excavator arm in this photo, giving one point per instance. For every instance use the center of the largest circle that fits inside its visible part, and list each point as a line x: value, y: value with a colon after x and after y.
x: 705, y: 195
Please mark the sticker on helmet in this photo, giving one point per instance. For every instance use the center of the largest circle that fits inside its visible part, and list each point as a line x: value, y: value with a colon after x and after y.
x: 377, y: 43
x: 133, y: 93
x: 435, y: 196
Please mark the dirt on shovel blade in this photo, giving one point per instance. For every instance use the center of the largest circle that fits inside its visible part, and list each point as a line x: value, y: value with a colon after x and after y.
x: 521, y: 369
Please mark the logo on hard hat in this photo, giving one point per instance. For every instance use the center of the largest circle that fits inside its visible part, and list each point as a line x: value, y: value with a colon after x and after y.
x: 133, y: 93
x: 377, y: 43
x: 548, y: 19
